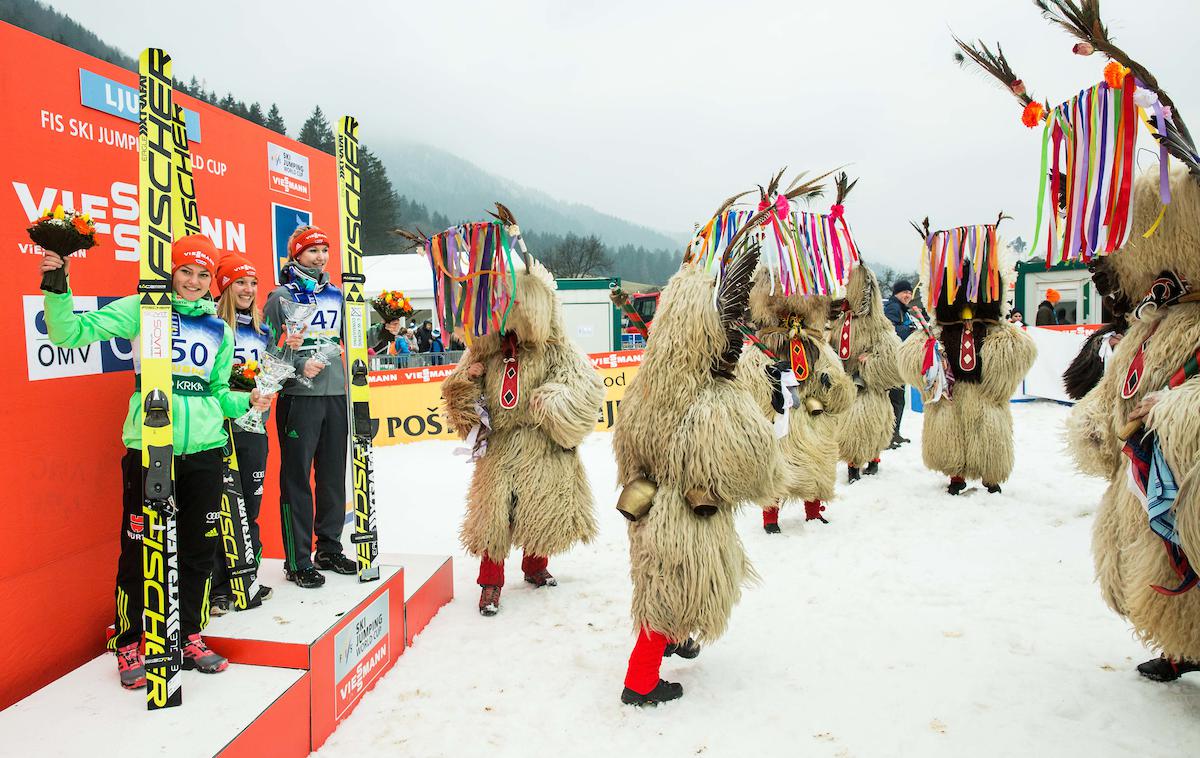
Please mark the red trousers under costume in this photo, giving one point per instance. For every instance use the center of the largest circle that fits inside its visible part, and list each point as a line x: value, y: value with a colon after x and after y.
x: 492, y: 572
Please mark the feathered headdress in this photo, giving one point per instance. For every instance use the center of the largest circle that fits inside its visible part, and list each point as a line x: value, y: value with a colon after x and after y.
x: 806, y: 253
x: 964, y: 257
x: 474, y: 269
x: 1088, y: 141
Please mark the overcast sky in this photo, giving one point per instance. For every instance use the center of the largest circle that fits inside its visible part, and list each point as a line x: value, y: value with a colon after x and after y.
x: 655, y: 111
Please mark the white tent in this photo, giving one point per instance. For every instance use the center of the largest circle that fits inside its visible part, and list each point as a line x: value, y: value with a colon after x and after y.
x: 407, y: 272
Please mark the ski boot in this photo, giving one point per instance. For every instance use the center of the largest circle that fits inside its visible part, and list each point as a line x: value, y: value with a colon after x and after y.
x: 335, y: 562
x: 853, y: 474
x: 307, y: 577
x: 872, y: 468
x: 1163, y: 669
x: 957, y: 485
x: 662, y: 692
x: 200, y: 657
x: 489, y: 600
x: 992, y: 488
x: 812, y: 511
x: 771, y: 520
x: 542, y: 578
x: 131, y: 666
x: 689, y: 649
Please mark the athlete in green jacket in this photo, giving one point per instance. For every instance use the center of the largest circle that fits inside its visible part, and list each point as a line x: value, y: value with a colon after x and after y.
x: 202, y: 354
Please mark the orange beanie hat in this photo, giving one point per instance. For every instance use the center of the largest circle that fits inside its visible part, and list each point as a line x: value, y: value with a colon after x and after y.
x: 231, y: 268
x: 194, y: 249
x: 1053, y: 296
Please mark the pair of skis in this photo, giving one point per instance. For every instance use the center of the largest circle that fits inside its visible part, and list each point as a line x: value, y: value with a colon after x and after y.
x: 167, y: 194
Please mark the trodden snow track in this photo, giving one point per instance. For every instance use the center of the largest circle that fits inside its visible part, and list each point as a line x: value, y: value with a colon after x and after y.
x: 914, y: 624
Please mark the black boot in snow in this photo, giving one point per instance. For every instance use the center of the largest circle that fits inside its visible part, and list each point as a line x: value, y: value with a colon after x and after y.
x: 992, y: 488
x: 772, y: 529
x: 662, y: 692
x: 956, y: 485
x: 1163, y: 669
x: 689, y: 649
x: 872, y: 468
x: 853, y: 475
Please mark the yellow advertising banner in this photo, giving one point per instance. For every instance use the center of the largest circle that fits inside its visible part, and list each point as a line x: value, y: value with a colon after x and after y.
x: 406, y: 403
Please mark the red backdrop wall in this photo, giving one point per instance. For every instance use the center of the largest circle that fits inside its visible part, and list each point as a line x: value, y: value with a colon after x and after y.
x: 60, y: 142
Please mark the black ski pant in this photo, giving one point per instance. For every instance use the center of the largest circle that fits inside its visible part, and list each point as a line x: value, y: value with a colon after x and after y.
x: 896, y: 395
x: 251, y: 450
x: 198, y: 501
x: 314, y: 435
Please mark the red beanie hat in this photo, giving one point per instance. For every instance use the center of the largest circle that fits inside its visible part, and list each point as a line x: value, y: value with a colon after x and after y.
x: 195, y: 249
x: 310, y: 237
x: 231, y: 268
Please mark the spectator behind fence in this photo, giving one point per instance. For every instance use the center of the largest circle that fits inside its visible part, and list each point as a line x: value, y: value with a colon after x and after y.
x: 1045, y: 312
x: 437, y: 348
x: 425, y: 336
x: 896, y: 310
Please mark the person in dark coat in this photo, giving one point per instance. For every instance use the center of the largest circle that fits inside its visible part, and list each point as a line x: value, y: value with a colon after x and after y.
x: 425, y: 336
x: 1045, y: 312
x: 896, y: 309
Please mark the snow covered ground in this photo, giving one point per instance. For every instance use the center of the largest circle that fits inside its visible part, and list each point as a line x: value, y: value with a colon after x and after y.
x: 914, y: 624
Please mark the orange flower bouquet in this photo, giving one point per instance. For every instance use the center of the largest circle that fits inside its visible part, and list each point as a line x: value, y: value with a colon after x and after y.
x: 391, y: 305
x: 241, y: 378
x: 62, y: 232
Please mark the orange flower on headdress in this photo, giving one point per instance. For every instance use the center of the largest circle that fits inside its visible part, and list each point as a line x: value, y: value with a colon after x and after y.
x: 1033, y: 114
x: 1114, y: 74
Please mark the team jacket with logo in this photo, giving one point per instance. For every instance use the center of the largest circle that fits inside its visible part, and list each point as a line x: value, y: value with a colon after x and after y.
x: 201, y: 357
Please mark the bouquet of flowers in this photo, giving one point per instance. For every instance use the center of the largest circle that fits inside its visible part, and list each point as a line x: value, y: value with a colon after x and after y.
x: 391, y: 305
x: 63, y: 232
x: 241, y: 378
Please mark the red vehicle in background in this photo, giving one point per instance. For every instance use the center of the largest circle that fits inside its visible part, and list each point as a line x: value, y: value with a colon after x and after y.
x: 637, y: 311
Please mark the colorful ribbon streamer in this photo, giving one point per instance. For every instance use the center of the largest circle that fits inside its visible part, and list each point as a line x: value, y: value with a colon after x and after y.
x: 966, y: 256
x: 473, y: 277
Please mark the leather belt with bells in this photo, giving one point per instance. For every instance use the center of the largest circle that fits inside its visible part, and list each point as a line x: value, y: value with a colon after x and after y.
x: 510, y: 385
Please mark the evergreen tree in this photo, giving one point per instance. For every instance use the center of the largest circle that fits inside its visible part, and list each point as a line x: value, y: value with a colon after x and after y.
x: 274, y: 120
x: 255, y: 114
x: 317, y: 132
x: 378, y: 206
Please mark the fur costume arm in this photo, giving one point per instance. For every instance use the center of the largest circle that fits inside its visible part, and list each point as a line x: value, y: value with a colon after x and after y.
x: 565, y: 406
x: 459, y: 393
x: 1176, y: 419
x: 881, y: 371
x: 909, y: 358
x: 829, y: 383
x: 1091, y: 439
x: 1006, y: 356
x: 726, y: 447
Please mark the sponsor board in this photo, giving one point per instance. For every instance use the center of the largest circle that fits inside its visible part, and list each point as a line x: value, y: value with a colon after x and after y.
x: 45, y: 360
x: 406, y: 403
x: 361, y: 654
x: 287, y: 171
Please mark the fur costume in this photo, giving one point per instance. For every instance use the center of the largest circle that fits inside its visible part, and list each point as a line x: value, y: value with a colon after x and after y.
x: 685, y: 428
x: 529, y: 489
x: 810, y: 447
x: 1129, y: 557
x: 867, y: 428
x: 968, y: 435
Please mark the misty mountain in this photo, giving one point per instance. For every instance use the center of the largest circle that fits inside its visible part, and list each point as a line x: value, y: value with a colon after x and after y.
x: 463, y: 191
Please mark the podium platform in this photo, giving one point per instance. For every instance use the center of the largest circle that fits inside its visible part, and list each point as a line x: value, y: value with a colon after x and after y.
x: 244, y: 711
x: 299, y: 666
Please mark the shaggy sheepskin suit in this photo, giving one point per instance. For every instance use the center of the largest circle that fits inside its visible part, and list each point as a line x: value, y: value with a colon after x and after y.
x: 867, y: 428
x: 810, y: 448
x: 685, y: 429
x: 1129, y: 557
x: 530, y: 489
x: 970, y: 434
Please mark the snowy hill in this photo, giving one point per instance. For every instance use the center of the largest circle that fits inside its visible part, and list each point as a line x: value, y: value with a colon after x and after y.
x: 914, y: 624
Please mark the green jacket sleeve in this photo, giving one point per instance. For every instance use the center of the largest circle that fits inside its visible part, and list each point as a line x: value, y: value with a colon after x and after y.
x: 67, y: 328
x: 233, y: 404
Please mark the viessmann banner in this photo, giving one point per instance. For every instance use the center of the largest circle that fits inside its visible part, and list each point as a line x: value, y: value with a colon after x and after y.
x: 68, y: 135
x: 406, y: 403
